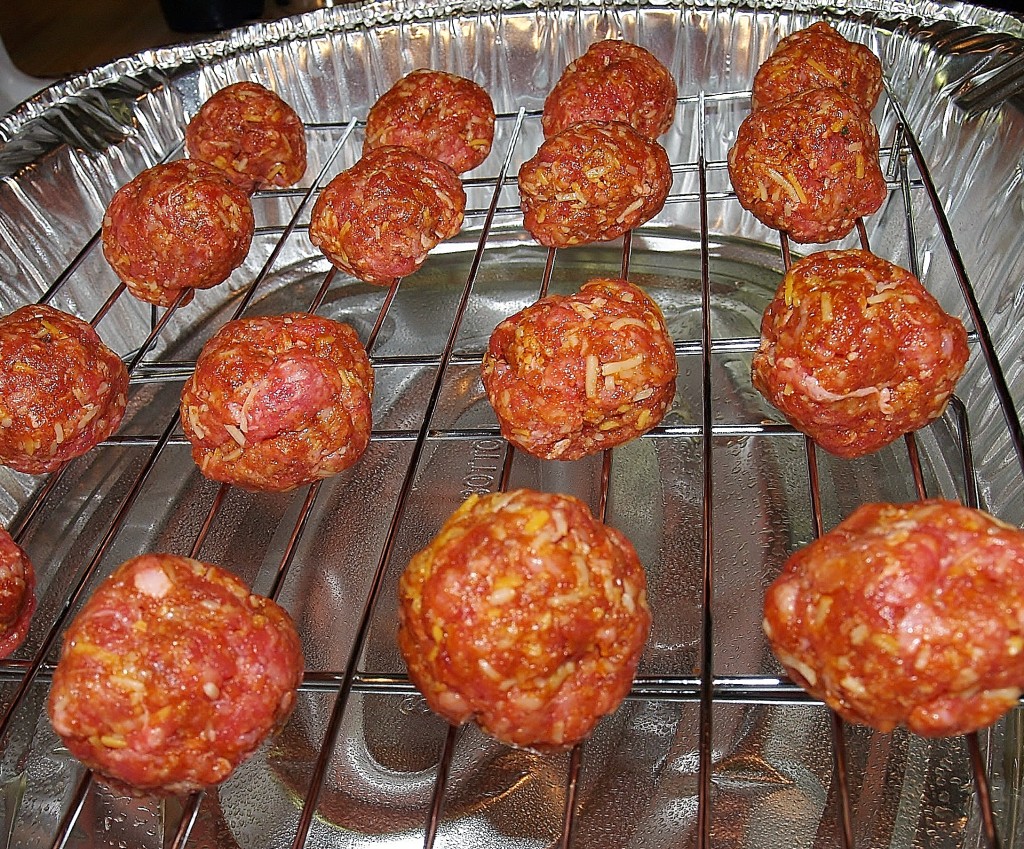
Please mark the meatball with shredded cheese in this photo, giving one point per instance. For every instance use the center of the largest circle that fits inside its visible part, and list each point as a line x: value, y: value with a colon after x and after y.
x: 572, y: 375
x: 440, y: 115
x: 592, y: 183
x: 17, y: 594
x: 173, y: 674
x: 379, y: 219
x: 526, y: 614
x: 613, y: 81
x: 808, y: 165
x: 250, y: 133
x: 62, y: 391
x: 818, y: 57
x: 278, y: 402
x: 182, y: 225
x: 907, y: 615
x: 855, y: 352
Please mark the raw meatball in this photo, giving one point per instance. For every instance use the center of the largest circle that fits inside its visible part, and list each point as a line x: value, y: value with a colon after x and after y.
x: 526, y: 614
x: 182, y: 225
x: 906, y: 615
x: 808, y: 165
x: 439, y: 115
x: 571, y: 376
x: 855, y: 352
x: 818, y: 57
x: 380, y: 218
x: 172, y: 674
x: 591, y: 183
x: 250, y: 133
x: 278, y: 402
x: 613, y: 81
x: 17, y: 594
x: 62, y: 390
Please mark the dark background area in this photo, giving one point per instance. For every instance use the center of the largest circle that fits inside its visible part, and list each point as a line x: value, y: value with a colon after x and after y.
x: 52, y: 38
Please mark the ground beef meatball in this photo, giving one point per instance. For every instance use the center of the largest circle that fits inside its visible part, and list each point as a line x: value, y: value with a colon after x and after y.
x: 571, y: 376
x: 252, y: 135
x: 172, y: 674
x: 526, y: 614
x: 591, y: 183
x: 62, y: 390
x: 440, y: 115
x: 809, y: 165
x: 380, y: 218
x: 278, y: 402
x: 182, y: 225
x: 818, y: 57
x: 17, y: 594
x: 613, y: 81
x: 855, y: 352
x: 908, y: 615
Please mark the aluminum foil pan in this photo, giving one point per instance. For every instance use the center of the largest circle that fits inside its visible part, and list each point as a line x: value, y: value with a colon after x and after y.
x: 713, y: 747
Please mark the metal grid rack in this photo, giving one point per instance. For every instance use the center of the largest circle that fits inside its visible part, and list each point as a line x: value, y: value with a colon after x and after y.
x: 340, y: 684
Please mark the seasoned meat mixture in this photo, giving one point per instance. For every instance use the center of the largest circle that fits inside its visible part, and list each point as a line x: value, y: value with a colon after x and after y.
x: 172, y: 674
x: 379, y: 219
x: 613, y: 81
x: 809, y: 165
x: 250, y: 133
x: 855, y: 352
x: 62, y: 390
x: 818, y: 57
x: 440, y: 115
x: 278, y: 402
x: 591, y: 183
x: 573, y: 375
x: 908, y: 615
x: 17, y: 594
x: 526, y: 614
x: 183, y: 225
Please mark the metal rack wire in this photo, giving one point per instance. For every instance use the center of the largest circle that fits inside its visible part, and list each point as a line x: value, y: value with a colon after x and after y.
x: 705, y: 688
